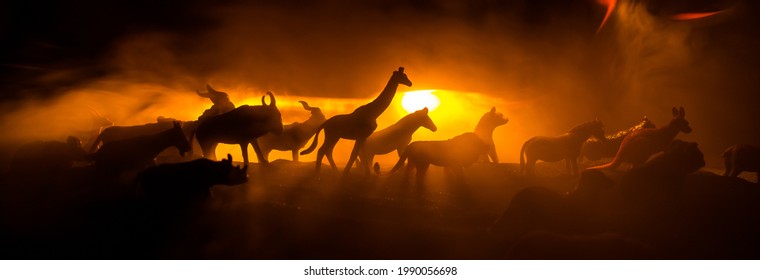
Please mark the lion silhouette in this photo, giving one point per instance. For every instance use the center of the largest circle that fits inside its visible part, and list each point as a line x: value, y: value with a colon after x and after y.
x: 454, y: 154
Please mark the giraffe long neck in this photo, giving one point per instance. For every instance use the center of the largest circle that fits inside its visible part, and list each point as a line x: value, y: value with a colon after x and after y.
x: 377, y: 107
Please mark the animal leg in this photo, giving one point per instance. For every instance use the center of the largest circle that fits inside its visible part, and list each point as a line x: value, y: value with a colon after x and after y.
x: 209, y: 151
x: 366, y: 162
x: 354, y: 153
x: 259, y: 154
x: 326, y: 150
x: 295, y: 155
x: 244, y: 150
x: 408, y: 171
x: 529, y: 165
x: 421, y: 171
x: 493, y: 155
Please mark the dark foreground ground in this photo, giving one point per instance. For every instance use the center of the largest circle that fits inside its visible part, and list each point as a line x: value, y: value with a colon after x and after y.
x: 285, y: 212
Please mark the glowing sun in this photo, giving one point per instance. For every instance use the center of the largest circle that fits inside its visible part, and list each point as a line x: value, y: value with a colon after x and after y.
x: 416, y: 100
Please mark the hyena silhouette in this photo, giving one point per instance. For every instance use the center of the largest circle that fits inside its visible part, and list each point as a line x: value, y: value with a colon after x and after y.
x: 596, y: 149
x: 453, y: 154
x: 294, y: 136
x: 241, y: 126
x: 395, y: 137
x: 484, y: 130
x: 741, y: 157
x: 638, y: 146
x: 358, y: 125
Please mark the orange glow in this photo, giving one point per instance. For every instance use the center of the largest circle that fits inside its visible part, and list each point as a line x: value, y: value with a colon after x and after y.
x: 692, y: 16
x: 610, y: 4
x: 416, y: 100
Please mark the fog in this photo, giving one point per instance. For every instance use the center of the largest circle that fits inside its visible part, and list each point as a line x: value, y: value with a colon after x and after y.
x: 547, y: 65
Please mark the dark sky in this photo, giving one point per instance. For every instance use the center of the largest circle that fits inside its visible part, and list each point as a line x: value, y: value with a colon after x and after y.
x: 546, y: 54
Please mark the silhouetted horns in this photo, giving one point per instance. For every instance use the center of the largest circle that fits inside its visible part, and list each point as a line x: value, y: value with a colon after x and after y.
x: 273, y: 102
x: 401, y: 69
x: 681, y: 112
x: 210, y: 89
x: 674, y: 111
x: 306, y: 106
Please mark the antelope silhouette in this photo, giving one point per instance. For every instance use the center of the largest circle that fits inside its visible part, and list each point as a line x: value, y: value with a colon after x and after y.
x: 240, y: 126
x: 358, y: 125
x: 294, y: 136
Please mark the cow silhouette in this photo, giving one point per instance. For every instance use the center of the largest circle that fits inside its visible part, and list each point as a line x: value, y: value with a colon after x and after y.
x: 140, y: 151
x: 566, y: 146
x: 241, y: 126
x: 638, y: 146
x: 358, y: 125
x: 487, y: 123
x: 395, y: 137
x: 294, y: 136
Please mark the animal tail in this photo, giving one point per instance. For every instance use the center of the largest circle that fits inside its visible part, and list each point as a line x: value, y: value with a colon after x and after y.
x: 314, y: 142
x: 396, y: 167
x: 616, y: 161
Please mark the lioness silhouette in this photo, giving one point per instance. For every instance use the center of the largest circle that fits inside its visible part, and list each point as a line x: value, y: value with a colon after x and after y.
x: 454, y: 154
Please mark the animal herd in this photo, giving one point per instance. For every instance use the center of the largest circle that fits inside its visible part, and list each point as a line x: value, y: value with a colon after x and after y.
x: 118, y: 148
x: 656, y: 157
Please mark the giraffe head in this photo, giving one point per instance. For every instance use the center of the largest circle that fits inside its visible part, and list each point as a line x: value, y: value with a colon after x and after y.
x: 400, y: 77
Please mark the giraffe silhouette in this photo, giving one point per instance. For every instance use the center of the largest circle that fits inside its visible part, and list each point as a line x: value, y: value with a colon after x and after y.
x: 356, y: 126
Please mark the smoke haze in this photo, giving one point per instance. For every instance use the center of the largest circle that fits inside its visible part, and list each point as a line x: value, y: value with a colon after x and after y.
x: 541, y: 63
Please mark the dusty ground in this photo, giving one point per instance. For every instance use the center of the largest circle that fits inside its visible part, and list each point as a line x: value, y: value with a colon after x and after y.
x: 284, y: 212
